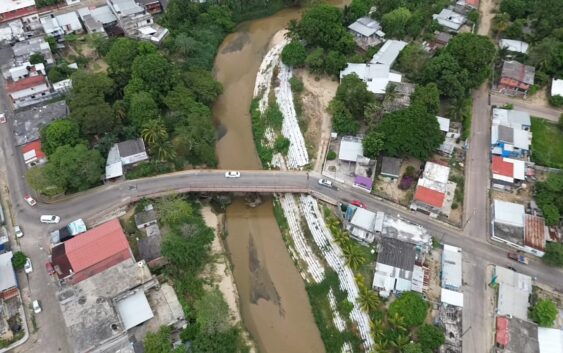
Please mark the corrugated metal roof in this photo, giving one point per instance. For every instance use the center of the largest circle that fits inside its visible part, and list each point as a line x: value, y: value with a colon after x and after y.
x: 388, y: 52
x: 509, y: 213
x: 431, y: 197
x: 534, y: 232
x: 451, y: 267
x: 451, y: 297
x: 516, y: 46
x: 7, y: 273
x: 502, y: 331
x: 500, y: 166
x: 350, y: 149
x: 96, y: 245
x: 134, y: 310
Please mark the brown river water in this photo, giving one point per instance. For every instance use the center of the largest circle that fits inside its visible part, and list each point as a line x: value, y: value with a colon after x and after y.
x: 274, y: 304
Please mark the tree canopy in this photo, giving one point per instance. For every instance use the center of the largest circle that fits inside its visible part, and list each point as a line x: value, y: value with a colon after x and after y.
x: 544, y: 312
x: 553, y: 254
x: 549, y: 196
x: 321, y: 25
x: 430, y: 337
x: 294, y: 54
x: 411, y: 307
x: 473, y: 53
x: 59, y: 133
x: 373, y: 144
x: 353, y: 92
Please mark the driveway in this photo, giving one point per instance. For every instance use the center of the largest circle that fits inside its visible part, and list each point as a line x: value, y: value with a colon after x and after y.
x: 535, y: 109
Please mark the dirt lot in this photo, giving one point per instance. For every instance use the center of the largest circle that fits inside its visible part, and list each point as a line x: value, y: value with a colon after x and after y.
x: 95, y: 63
x: 390, y: 189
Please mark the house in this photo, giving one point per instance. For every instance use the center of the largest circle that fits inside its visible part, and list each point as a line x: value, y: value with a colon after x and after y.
x: 8, y: 280
x: 96, y: 20
x: 450, y: 19
x: 514, y: 290
x: 472, y: 4
x: 388, y: 53
x: 557, y: 87
x: 14, y: 9
x: 441, y: 39
x: 63, y: 87
x: 367, y: 32
x: 431, y: 189
x: 535, y: 235
x: 29, y: 91
x: 12, y: 31
x: 17, y: 73
x: 451, y: 268
x: 516, y: 78
x: 364, y: 225
x: 515, y: 335
x: 146, y: 218
x: 32, y: 154
x: 376, y: 76
x: 401, y: 97
x: 350, y: 149
x: 25, y: 49
x: 59, y: 25
x: 550, y: 340
x: 125, y: 154
x: 510, y: 133
x: 28, y: 123
x: 507, y: 173
x: 135, y: 21
x: 515, y: 46
x: 90, y: 253
x: 391, y: 167
x: 151, y: 6
x: 394, y: 267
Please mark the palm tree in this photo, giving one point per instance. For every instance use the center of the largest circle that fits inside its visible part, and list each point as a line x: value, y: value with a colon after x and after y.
x: 400, y: 341
x: 368, y: 299
x: 354, y: 256
x: 382, y: 345
x: 333, y: 224
x: 340, y: 237
x: 398, y: 322
x: 154, y: 132
x: 377, y: 330
x: 165, y: 151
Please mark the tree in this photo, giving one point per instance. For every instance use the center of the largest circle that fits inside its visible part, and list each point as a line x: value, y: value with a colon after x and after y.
x: 373, y: 144
x: 161, y: 342
x: 335, y: 62
x: 342, y: 120
x: 174, y: 211
x: 59, y: 133
x: 553, y: 254
x: 321, y: 25
x: 544, y: 312
x: 152, y: 73
x: 212, y: 312
x: 551, y: 214
x: 474, y: 53
x: 427, y: 97
x: 142, y: 109
x: 547, y: 56
x: 430, y: 337
x: 368, y: 299
x: 294, y: 54
x: 412, y: 60
x: 410, y: 132
x: 119, y: 59
x: 353, y: 92
x: 411, y: 307
x: 354, y: 256
x: 315, y: 61
x: 395, y: 22
x: 40, y: 182
x: 154, y: 132
x: 164, y: 151
x: 74, y: 168
x: 451, y: 79
x: 203, y: 85
x: 18, y: 260
x: 515, y: 8
x: 36, y: 58
x: 413, y: 348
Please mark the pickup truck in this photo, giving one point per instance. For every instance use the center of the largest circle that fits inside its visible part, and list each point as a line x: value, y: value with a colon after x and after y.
x: 516, y: 257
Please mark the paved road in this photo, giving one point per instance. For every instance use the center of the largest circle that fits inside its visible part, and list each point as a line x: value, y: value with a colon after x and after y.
x: 534, y: 109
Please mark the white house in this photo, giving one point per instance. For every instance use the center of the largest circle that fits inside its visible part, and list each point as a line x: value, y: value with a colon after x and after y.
x: 557, y: 87
x: 376, y: 76
x: 29, y: 90
x: 395, y: 267
x: 366, y: 31
x: 451, y: 268
x: 516, y: 46
x: 123, y: 154
x: 20, y: 72
x: 450, y: 19
x: 388, y: 53
x: 135, y: 21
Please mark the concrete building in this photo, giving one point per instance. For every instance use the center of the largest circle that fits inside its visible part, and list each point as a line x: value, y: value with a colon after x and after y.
x: 391, y: 168
x: 96, y: 20
x: 557, y: 87
x: 25, y: 70
x: 90, y: 253
x: 146, y: 218
x: 516, y: 78
x: 33, y: 155
x: 514, y: 335
x: 367, y: 32
x: 514, y: 290
x: 394, y: 267
x: 364, y: 225
x: 388, y: 53
x: 452, y: 268
x: 507, y: 173
x: 135, y: 21
x: 14, y: 9
x: 151, y: 6
x: 351, y: 149
x: 60, y: 25
x: 430, y: 195
x: 25, y: 49
x: 29, y: 91
x: 8, y: 280
x: 28, y: 123
x: 511, y: 134
x: 515, y: 46
x: 376, y: 76
x: 125, y: 154
x: 450, y: 19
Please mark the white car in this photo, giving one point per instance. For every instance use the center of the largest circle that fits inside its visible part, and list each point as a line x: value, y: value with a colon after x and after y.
x: 30, y: 201
x: 232, y: 174
x: 2, y: 118
x: 325, y: 182
x: 49, y: 219
x: 36, y: 307
x: 28, y: 268
x: 18, y: 231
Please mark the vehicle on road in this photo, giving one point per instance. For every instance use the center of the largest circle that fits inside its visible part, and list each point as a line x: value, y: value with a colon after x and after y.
x: 232, y: 174
x: 325, y: 182
x: 516, y: 257
x: 50, y: 219
x: 50, y: 269
x: 18, y: 231
x: 28, y: 268
x: 358, y: 203
x: 36, y: 307
x: 30, y: 201
x: 511, y: 268
x: 2, y: 118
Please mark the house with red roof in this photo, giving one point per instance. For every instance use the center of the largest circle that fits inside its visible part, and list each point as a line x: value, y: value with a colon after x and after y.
x: 32, y: 154
x: 507, y: 172
x: 516, y: 78
x: 91, y: 252
x: 28, y: 91
x: 432, y: 190
x: 14, y: 9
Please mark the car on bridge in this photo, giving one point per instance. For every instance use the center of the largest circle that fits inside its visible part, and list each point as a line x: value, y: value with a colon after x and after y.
x: 232, y: 174
x: 325, y: 182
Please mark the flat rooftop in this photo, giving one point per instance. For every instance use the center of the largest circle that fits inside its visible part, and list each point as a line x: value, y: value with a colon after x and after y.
x: 28, y: 123
x: 88, y: 309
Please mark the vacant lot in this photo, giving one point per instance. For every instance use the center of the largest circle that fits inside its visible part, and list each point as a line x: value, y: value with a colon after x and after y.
x: 547, y: 143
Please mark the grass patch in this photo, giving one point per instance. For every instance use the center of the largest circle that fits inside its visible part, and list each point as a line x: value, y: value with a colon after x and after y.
x: 258, y: 129
x: 466, y: 119
x: 547, y: 143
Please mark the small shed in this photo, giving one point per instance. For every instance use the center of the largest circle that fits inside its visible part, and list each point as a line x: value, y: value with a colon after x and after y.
x: 350, y: 148
x: 391, y: 167
x: 146, y: 218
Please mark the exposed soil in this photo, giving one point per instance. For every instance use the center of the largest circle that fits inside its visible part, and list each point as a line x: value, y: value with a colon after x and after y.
x: 486, y: 9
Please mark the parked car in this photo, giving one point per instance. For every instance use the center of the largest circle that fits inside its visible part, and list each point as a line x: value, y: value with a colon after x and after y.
x: 358, y: 203
x: 36, y: 307
x: 50, y: 219
x: 2, y: 118
x: 325, y: 182
x: 50, y: 269
x: 516, y: 257
x: 232, y: 174
x: 30, y: 201
x: 18, y: 231
x: 28, y: 268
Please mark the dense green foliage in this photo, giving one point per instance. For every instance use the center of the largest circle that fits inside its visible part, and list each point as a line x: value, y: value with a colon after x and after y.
x: 373, y: 144
x: 547, y: 144
x: 411, y: 307
x: 549, y: 196
x: 160, y: 342
x: 18, y: 260
x: 544, y: 312
x: 553, y: 254
x: 354, y: 94
x: 294, y: 54
x: 44, y: 3
x: 59, y: 133
x: 430, y: 337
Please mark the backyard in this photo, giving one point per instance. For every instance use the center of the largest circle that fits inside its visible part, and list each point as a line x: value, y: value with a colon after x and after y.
x: 547, y: 143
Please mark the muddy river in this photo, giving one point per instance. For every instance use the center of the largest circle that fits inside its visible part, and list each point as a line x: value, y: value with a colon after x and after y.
x: 274, y: 304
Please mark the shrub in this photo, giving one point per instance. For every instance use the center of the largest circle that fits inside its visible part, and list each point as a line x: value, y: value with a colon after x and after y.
x: 296, y: 85
x: 294, y: 54
x: 331, y: 155
x: 556, y: 101
x: 18, y: 260
x: 282, y: 145
x: 411, y: 307
x: 406, y: 182
x: 544, y: 312
x: 430, y: 337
